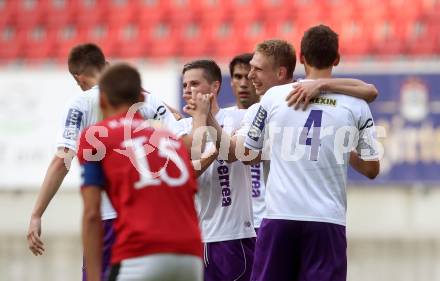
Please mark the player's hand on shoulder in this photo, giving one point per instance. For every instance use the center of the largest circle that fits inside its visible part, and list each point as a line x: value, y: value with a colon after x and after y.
x: 303, y: 92
x: 33, y: 236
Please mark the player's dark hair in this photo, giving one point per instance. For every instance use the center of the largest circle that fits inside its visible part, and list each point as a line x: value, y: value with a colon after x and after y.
x: 211, y: 70
x: 86, y: 59
x: 240, y: 59
x: 282, y: 53
x: 121, y: 83
x: 319, y: 46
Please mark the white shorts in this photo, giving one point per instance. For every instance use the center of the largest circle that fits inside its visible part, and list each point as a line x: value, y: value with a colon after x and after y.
x: 159, y: 267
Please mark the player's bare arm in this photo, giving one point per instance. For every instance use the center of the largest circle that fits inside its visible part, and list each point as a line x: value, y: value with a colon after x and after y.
x: 175, y: 112
x: 205, y: 161
x: 198, y: 108
x: 55, y: 175
x: 368, y: 168
x: 304, y: 91
x: 92, y: 231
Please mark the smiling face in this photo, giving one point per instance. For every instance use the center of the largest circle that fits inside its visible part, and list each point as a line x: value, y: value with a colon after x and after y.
x: 263, y: 73
x: 194, y: 79
x: 242, y: 87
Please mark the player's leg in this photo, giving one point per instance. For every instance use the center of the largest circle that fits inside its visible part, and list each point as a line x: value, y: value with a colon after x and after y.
x: 158, y: 267
x: 324, y: 252
x: 277, y: 251
x: 229, y: 260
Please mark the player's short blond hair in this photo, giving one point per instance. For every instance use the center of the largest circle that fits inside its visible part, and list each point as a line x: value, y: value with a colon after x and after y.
x: 281, y: 51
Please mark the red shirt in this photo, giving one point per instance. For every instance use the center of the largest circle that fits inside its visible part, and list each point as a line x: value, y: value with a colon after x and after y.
x: 150, y: 181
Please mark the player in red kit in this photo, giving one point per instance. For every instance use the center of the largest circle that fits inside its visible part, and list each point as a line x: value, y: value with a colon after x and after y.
x: 149, y: 179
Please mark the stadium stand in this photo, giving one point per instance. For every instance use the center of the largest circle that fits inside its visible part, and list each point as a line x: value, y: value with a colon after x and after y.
x: 45, y: 29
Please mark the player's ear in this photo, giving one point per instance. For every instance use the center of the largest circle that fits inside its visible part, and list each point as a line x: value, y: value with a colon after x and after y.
x: 302, y: 60
x: 282, y: 72
x: 216, y: 87
x: 336, y: 62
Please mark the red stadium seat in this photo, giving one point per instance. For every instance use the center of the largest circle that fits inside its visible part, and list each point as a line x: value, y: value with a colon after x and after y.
x: 11, y: 43
x: 354, y: 38
x: 121, y: 12
x: 131, y: 41
x: 214, y: 10
x: 31, y: 13
x: 372, y: 11
x: 386, y: 38
x: 309, y: 12
x: 227, y: 41
x: 404, y: 10
x: 251, y: 34
x: 341, y: 11
x: 422, y: 38
x: 164, y: 40
x: 276, y: 9
x: 38, y: 43
x: 91, y: 12
x: 195, y: 40
x: 8, y: 12
x: 246, y: 10
x: 60, y: 12
x: 152, y: 12
x: 66, y: 37
x: 181, y: 11
x: 286, y: 29
x: 100, y: 34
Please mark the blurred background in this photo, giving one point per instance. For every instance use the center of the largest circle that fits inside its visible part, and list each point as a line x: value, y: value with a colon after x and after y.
x: 393, y: 222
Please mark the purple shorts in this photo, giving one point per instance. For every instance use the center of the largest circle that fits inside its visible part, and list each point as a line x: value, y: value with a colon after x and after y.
x: 229, y: 260
x: 288, y: 250
x: 108, y: 240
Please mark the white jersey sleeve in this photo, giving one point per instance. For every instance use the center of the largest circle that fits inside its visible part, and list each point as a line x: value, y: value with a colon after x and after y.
x: 367, y: 143
x: 256, y: 133
x: 247, y: 120
x: 154, y: 108
x: 72, y: 123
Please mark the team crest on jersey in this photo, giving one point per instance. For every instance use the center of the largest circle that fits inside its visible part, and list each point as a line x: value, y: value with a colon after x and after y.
x: 257, y: 127
x: 73, y: 123
x: 160, y: 112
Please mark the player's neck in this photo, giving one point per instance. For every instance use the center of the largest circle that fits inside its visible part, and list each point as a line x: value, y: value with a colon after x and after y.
x: 314, y: 73
x: 214, y: 106
x: 115, y: 111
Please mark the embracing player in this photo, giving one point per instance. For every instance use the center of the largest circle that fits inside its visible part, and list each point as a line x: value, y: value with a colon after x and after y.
x: 224, y: 197
x: 302, y: 236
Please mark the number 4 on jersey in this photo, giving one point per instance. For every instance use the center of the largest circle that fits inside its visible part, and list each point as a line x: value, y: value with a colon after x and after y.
x: 314, y: 120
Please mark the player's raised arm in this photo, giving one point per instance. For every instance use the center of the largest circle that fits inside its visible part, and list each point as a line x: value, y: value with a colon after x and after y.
x: 304, y: 91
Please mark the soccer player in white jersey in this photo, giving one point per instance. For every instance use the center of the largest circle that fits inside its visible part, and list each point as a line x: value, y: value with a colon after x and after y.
x: 302, y: 236
x: 273, y: 64
x: 224, y: 197
x: 245, y: 96
x: 85, y: 64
